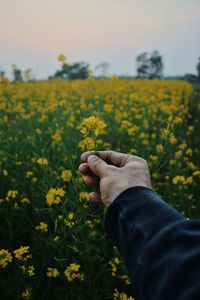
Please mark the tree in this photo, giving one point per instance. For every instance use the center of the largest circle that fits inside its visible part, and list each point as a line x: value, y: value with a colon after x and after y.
x: 17, y: 74
x: 73, y: 71
x: 28, y: 75
x: 150, y: 66
x: 103, y: 69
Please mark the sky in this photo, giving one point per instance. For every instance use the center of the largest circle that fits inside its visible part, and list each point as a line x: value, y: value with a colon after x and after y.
x: 34, y: 32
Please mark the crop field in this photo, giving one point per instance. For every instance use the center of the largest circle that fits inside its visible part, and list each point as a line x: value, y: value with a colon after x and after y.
x: 52, y: 239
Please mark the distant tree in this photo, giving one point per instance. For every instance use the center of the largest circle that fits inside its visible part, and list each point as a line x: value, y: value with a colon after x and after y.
x: 150, y: 66
x: 17, y: 74
x: 142, y: 61
x: 28, y: 75
x: 103, y: 69
x: 78, y: 70
x: 198, y: 68
x: 2, y: 73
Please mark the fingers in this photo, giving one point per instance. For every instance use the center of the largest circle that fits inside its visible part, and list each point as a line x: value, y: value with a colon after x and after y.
x: 111, y: 157
x: 85, y: 169
x: 95, y: 197
x: 91, y: 180
x: 97, y: 166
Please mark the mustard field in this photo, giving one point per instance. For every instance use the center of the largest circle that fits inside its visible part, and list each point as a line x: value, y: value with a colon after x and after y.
x: 52, y: 239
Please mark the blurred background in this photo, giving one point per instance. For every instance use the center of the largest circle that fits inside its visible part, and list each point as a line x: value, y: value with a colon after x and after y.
x: 109, y: 32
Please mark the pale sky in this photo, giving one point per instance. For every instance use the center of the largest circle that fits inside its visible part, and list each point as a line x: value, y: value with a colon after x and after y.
x: 34, y: 32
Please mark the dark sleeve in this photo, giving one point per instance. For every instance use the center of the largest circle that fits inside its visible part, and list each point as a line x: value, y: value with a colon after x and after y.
x: 161, y: 249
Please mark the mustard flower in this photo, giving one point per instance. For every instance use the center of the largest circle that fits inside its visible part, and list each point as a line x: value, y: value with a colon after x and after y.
x: 5, y: 258
x: 54, y: 196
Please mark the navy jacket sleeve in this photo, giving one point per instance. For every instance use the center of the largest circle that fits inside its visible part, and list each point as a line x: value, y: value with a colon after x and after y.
x: 161, y: 248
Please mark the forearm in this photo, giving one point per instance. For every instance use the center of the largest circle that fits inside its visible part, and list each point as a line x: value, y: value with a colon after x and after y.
x: 145, y: 230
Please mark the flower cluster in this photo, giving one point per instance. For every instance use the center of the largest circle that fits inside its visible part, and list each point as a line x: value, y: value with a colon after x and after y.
x: 22, y: 253
x: 5, y: 258
x: 66, y: 175
x: 72, y: 272
x: 52, y: 272
x: 54, y: 196
x: 92, y: 126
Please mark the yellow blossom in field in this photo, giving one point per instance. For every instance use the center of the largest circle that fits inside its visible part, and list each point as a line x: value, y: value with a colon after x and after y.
x: 26, y: 295
x: 30, y: 271
x: 52, y: 272
x: 42, y: 161
x: 92, y: 125
x: 25, y: 200
x: 153, y: 157
x: 84, y: 196
x: 189, y: 152
x: 178, y: 179
x: 22, y: 253
x: 89, y: 224
x: 5, y: 258
x: 178, y: 154
x: 126, y: 279
x: 189, y: 180
x: 54, y: 196
x: 87, y: 143
x: 121, y: 296
x: 69, y: 221
x: 72, y: 272
x: 66, y: 175
x: 108, y: 108
x: 5, y: 172
x: 38, y: 131
x: 42, y: 227
x: 11, y: 194
x: 159, y: 148
x: 173, y: 140
x: 56, y: 137
x: 29, y: 174
x: 196, y: 173
x: 113, y: 263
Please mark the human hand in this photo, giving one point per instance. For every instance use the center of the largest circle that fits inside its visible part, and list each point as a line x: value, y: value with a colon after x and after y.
x: 113, y: 172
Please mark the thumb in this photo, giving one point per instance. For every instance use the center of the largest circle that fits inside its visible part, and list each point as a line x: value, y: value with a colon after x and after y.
x: 97, y: 165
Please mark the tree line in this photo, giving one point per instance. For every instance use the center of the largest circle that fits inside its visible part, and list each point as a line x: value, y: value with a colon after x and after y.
x: 148, y: 66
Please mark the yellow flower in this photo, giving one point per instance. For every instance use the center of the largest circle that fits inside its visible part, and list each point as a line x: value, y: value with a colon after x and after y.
x: 11, y: 194
x: 72, y: 272
x: 31, y: 270
x: 189, y: 180
x: 42, y: 161
x: 113, y: 263
x: 26, y: 295
x: 5, y: 258
x: 5, y: 172
x: 54, y: 196
x: 159, y: 148
x: 66, y: 175
x: 42, y: 227
x: 87, y: 143
x: 84, y: 196
x: 178, y: 179
x: 56, y: 137
x: 121, y: 296
x: 92, y: 125
x: 69, y: 221
x: 25, y: 200
x: 62, y: 58
x: 29, y: 174
x: 22, y: 253
x: 52, y: 272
